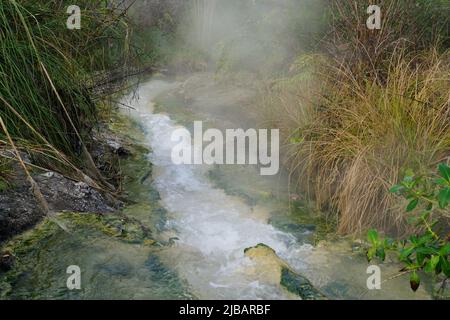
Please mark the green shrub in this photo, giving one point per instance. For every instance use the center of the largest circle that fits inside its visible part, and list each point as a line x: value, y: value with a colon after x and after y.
x: 366, y: 106
x: 428, y: 208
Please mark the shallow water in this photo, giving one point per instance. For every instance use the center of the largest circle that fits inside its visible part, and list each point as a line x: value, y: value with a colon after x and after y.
x: 204, y: 217
x: 214, y: 226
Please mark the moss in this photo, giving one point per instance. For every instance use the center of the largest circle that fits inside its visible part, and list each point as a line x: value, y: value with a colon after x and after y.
x: 22, y: 248
x: 22, y: 244
x: 299, y: 285
x: 304, y: 223
x: 128, y: 128
x: 30, y: 248
x: 118, y: 226
x: 41, y: 253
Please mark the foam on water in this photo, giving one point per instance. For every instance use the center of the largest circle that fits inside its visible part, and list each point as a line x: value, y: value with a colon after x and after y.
x: 213, y: 228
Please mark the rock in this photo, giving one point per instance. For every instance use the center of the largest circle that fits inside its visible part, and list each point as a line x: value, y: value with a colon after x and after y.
x: 6, y: 261
x: 117, y: 148
x: 303, y: 232
x: 149, y: 242
x: 275, y: 270
x: 299, y: 285
x: 107, y: 143
x: 106, y: 149
x: 49, y: 174
x: 19, y: 210
x: 357, y: 245
x: 63, y: 194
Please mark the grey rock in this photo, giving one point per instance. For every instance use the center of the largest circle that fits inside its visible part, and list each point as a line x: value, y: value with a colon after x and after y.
x: 19, y: 210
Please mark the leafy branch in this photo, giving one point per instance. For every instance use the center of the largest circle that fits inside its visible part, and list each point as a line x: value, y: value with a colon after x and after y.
x: 429, y: 250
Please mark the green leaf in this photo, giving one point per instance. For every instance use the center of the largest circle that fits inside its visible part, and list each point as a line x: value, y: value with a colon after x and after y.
x: 381, y: 253
x: 445, y: 265
x: 428, y: 267
x: 409, y: 176
x: 444, y: 170
x: 371, y: 253
x: 445, y: 250
x: 414, y: 281
x: 432, y: 263
x: 420, y: 257
x: 412, y: 205
x: 396, y: 188
x: 444, y: 197
x: 423, y: 240
x: 389, y: 243
x: 405, y: 253
x: 372, y: 236
x: 414, y: 240
x: 427, y: 250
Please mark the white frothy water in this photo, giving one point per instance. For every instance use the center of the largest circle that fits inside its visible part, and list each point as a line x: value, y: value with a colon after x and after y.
x: 213, y: 228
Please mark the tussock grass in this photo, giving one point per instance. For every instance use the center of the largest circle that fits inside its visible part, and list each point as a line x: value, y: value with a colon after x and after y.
x: 358, y: 141
x: 355, y: 118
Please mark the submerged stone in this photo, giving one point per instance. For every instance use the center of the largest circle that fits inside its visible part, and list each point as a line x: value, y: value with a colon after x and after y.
x: 258, y: 246
x: 277, y: 271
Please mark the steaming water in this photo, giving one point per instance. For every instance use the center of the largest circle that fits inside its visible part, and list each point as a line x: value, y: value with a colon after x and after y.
x: 213, y: 228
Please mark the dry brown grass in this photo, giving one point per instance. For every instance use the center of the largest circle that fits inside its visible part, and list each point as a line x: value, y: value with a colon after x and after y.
x: 369, y: 107
x: 348, y: 140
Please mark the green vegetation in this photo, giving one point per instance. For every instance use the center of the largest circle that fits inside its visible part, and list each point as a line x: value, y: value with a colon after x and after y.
x: 355, y: 107
x: 427, y: 250
x: 49, y: 78
x: 154, y: 29
x: 5, y: 171
x: 359, y: 111
x: 371, y: 103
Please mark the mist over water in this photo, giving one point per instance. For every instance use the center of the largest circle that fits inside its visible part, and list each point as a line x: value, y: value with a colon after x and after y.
x: 213, y: 228
x: 255, y: 35
x: 218, y: 231
x: 260, y: 37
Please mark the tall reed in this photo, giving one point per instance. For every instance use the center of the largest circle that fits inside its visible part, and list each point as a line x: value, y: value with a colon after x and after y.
x: 46, y: 71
